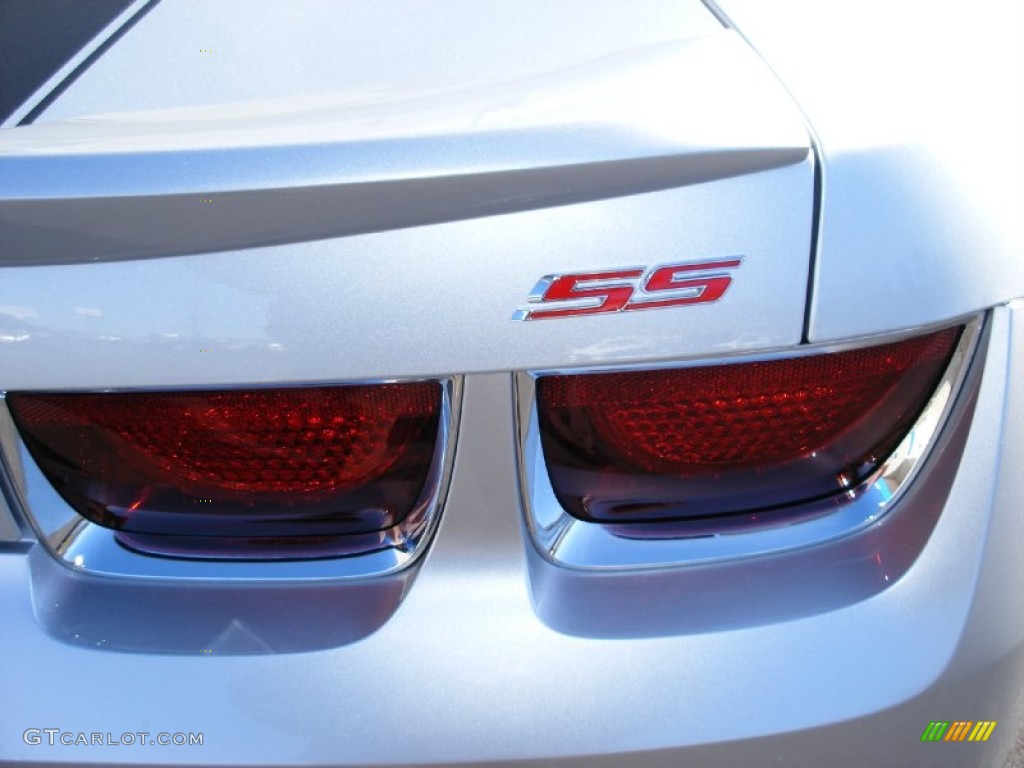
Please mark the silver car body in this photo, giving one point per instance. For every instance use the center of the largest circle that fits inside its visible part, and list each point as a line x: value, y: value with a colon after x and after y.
x: 327, y: 192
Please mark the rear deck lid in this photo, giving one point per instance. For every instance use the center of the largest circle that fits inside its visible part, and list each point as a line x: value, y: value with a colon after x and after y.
x: 404, y: 189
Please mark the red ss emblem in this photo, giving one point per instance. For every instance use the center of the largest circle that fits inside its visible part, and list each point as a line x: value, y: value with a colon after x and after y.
x: 625, y: 290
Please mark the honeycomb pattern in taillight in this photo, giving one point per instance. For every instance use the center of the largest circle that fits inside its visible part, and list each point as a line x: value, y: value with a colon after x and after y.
x: 234, y: 467
x: 702, y: 442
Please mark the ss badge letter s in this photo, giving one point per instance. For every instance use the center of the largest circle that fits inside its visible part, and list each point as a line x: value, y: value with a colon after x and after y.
x: 629, y: 289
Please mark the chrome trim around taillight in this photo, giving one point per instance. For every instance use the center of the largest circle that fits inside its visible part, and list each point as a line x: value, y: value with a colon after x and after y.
x: 14, y: 529
x: 87, y: 547
x: 10, y: 533
x: 568, y: 541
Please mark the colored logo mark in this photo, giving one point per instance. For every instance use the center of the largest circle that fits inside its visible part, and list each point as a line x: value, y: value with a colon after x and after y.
x: 958, y: 730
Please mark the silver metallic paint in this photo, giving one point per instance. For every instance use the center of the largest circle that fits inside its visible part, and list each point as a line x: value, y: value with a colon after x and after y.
x: 311, y: 311
x: 918, y: 113
x: 850, y: 686
x: 266, y: 50
x: 389, y: 305
x: 235, y: 176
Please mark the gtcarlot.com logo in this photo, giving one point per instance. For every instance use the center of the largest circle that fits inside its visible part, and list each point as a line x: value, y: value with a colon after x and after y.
x: 958, y: 730
x: 55, y: 736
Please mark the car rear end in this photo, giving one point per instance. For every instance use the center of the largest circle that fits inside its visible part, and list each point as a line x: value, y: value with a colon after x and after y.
x: 446, y: 383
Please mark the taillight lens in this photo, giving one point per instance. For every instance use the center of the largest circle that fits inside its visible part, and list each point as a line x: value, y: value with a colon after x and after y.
x: 228, y: 468
x: 707, y: 442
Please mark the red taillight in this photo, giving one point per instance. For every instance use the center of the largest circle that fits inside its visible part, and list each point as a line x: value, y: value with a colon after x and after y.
x: 690, y: 443
x: 274, y: 464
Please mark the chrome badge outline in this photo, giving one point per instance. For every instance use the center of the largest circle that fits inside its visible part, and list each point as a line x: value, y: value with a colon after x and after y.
x: 606, y: 291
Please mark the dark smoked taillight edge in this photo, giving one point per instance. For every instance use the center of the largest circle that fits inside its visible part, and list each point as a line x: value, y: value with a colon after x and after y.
x: 261, y: 499
x: 632, y: 448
